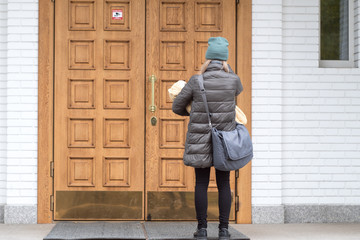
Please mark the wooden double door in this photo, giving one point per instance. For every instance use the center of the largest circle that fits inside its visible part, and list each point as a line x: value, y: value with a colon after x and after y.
x: 118, y: 146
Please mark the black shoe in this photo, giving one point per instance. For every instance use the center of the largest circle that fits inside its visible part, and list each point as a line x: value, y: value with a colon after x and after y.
x: 224, y: 234
x: 201, y: 234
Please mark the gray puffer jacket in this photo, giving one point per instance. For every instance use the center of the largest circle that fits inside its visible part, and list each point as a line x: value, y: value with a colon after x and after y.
x: 221, y: 89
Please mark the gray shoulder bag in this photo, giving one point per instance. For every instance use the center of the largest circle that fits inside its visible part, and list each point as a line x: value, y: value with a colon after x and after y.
x: 232, y: 150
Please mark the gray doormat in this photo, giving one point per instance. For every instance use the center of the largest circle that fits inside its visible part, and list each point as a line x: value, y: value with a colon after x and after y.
x: 96, y: 230
x: 69, y: 230
x: 185, y: 230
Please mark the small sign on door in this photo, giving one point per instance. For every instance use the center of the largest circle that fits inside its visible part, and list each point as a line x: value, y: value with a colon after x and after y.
x: 117, y: 14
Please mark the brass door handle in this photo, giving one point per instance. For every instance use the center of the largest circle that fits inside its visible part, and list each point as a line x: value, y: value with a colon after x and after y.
x: 152, y: 79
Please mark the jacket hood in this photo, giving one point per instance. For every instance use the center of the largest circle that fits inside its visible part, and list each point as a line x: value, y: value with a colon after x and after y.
x: 216, y: 65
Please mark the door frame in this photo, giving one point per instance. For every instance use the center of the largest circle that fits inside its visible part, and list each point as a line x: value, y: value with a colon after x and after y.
x: 46, y: 109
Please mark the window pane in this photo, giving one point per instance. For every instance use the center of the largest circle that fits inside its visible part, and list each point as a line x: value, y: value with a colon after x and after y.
x: 334, y: 30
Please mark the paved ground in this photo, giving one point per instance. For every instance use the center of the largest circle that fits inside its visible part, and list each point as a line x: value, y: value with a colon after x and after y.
x: 307, y: 231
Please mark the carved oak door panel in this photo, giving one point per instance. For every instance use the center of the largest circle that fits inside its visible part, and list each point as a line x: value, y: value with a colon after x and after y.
x: 99, y: 109
x: 176, y: 41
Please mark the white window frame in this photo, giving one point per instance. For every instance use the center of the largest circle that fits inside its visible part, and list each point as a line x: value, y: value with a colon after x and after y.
x: 340, y: 63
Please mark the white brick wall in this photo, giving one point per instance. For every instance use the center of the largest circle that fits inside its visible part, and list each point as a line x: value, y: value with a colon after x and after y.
x: 321, y: 110
x: 306, y: 127
x: 21, y: 106
x: 3, y: 64
x: 266, y: 102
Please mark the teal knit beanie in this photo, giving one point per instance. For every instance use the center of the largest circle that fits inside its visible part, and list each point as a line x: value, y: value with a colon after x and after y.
x: 217, y: 49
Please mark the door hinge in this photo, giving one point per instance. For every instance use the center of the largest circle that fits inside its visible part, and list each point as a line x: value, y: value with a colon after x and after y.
x: 52, y: 169
x: 236, y: 203
x: 237, y: 173
x: 53, y: 0
x: 237, y: 1
x: 51, y: 202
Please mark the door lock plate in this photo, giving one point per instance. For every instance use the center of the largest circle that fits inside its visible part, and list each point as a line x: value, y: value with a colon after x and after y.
x: 153, y: 121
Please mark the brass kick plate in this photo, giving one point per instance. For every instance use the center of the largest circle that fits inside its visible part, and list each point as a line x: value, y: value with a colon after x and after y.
x: 181, y: 206
x: 89, y: 205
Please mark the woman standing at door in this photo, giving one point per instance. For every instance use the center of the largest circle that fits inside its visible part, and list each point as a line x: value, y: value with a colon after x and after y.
x: 222, y: 85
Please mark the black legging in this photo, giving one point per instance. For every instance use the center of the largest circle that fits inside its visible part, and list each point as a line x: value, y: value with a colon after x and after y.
x: 201, y: 200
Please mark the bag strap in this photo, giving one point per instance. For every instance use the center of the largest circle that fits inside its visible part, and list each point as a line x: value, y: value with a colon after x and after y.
x: 203, y: 95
